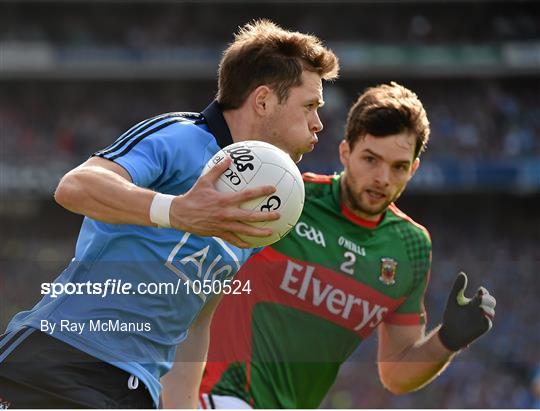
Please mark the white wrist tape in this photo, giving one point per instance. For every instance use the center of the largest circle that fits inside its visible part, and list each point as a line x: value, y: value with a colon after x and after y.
x: 159, y: 210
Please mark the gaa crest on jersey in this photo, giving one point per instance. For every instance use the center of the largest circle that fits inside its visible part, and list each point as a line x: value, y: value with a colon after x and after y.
x: 388, y: 270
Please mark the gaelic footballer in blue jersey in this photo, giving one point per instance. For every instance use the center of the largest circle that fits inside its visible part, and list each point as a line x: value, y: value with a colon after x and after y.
x: 151, y: 218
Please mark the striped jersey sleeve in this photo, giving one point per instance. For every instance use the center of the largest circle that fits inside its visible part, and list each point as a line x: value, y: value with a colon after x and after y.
x: 159, y: 150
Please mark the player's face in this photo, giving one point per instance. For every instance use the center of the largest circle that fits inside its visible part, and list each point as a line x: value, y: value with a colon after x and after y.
x: 377, y: 171
x: 294, y: 123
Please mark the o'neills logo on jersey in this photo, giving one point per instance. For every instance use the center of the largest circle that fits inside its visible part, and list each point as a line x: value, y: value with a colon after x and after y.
x: 351, y: 246
x: 310, y: 233
x: 325, y: 299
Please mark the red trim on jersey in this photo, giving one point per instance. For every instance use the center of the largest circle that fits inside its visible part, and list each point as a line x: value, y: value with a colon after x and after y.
x: 428, y: 279
x: 404, y: 216
x: 404, y: 319
x: 202, y: 402
x: 362, y: 222
x: 317, y: 178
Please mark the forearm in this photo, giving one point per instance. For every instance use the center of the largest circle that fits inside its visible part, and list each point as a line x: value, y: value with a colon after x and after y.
x: 181, y: 385
x: 104, y: 195
x: 416, y: 365
x: 408, y: 359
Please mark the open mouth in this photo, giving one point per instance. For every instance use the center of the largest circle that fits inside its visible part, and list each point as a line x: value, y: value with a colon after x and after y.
x: 375, y: 195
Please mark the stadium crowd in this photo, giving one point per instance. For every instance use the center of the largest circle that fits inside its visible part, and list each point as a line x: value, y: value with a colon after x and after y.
x: 143, y: 25
x: 470, y: 121
x: 494, y: 238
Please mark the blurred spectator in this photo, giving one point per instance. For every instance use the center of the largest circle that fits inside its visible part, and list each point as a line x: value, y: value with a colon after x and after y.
x: 149, y: 25
x: 490, y: 120
x: 494, y: 238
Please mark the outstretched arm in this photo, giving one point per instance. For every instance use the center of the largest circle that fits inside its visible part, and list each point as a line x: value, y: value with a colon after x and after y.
x: 408, y: 359
x: 102, y: 189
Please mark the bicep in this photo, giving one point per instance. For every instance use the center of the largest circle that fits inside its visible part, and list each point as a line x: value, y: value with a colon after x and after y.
x: 107, y: 165
x: 73, y: 189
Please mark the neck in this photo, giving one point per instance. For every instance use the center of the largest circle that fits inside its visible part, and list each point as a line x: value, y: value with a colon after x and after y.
x: 350, y: 204
x: 241, y: 124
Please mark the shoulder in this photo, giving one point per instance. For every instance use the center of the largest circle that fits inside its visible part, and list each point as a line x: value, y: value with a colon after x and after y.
x: 184, y: 131
x: 185, y: 124
x: 317, y: 184
x: 166, y: 134
x: 409, y: 227
x: 317, y: 178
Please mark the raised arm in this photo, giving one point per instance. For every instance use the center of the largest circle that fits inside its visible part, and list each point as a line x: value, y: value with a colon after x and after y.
x: 408, y: 359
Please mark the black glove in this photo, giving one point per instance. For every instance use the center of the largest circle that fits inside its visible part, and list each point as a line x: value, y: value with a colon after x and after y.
x: 466, y: 319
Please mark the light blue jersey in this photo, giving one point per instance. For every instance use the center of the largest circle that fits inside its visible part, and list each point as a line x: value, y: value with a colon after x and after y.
x: 138, y: 332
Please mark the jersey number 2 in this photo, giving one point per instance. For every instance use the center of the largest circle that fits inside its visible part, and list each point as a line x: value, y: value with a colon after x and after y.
x: 348, y: 265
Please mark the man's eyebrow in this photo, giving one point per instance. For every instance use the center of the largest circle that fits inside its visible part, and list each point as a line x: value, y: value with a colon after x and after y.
x: 367, y: 150
x: 316, y: 100
x: 403, y: 162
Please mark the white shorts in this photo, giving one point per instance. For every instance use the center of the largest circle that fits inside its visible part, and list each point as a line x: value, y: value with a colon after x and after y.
x: 211, y: 401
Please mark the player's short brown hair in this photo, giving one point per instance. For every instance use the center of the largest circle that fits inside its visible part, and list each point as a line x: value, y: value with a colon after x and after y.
x: 265, y: 54
x: 385, y: 110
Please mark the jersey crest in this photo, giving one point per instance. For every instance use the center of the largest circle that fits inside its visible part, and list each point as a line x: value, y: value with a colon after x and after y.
x: 388, y: 270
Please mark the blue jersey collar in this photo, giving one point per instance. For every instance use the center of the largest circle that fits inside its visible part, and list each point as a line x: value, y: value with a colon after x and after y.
x: 217, y: 124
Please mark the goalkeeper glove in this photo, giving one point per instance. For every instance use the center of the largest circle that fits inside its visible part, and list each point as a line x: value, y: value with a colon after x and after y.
x: 466, y: 319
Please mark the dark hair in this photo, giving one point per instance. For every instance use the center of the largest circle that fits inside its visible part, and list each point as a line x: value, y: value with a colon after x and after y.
x: 385, y: 110
x: 264, y: 53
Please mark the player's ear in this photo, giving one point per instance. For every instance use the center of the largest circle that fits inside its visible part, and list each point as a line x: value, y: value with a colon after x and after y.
x: 262, y: 100
x: 414, y: 167
x: 344, y: 152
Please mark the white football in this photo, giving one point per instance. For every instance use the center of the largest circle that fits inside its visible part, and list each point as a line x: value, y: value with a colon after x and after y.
x: 254, y: 164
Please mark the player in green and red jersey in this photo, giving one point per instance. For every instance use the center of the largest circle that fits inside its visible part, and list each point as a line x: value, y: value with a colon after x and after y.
x: 316, y: 295
x: 354, y: 263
